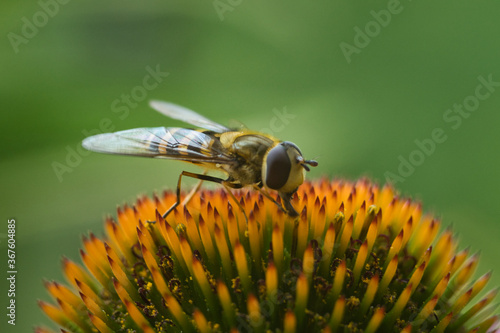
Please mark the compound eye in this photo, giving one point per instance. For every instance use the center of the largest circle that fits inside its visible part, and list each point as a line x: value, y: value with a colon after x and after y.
x: 278, y: 167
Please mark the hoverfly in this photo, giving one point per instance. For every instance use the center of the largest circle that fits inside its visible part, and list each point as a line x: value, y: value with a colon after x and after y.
x: 249, y: 158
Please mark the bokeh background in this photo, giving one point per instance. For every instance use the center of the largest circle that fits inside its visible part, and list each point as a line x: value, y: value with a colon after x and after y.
x: 276, y: 66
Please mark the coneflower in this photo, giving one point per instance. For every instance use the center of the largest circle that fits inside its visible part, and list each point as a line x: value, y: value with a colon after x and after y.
x: 359, y: 258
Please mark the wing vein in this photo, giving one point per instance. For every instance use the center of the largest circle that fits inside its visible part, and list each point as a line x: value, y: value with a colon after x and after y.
x: 162, y: 142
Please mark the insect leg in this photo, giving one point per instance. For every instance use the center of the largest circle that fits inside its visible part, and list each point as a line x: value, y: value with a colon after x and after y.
x: 178, y: 191
x: 228, y: 190
x: 193, y: 191
x: 287, y: 201
x: 267, y: 195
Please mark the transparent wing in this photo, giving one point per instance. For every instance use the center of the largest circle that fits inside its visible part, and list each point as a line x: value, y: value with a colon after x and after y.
x: 188, y: 116
x: 162, y: 142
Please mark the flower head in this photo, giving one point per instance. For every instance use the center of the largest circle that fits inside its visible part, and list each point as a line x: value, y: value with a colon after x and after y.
x: 357, y: 259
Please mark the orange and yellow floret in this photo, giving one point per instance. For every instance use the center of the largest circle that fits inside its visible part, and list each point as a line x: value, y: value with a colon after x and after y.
x: 357, y: 259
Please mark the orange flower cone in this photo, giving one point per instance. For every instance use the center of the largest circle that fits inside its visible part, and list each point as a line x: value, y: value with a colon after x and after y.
x: 358, y: 259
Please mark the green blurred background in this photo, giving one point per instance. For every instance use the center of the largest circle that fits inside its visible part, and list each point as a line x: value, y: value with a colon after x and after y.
x: 240, y: 60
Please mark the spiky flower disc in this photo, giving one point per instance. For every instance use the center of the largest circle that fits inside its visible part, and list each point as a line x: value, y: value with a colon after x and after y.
x: 358, y: 259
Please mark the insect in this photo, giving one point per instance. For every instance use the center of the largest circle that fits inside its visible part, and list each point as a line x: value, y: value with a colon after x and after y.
x: 248, y: 158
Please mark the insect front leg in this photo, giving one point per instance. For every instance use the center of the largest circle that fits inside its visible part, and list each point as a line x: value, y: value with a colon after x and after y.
x: 286, y: 200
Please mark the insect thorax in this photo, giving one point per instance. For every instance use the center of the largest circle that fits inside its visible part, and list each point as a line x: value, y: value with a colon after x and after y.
x: 250, y: 150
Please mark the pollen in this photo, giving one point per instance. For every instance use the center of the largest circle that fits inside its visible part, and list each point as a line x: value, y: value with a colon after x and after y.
x: 358, y: 258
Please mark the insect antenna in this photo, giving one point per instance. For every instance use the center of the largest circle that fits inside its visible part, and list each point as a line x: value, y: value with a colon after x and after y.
x: 305, y: 163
